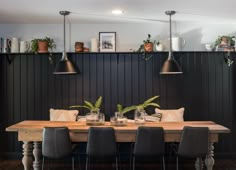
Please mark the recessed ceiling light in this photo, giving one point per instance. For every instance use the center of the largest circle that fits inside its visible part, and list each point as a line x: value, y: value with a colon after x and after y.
x: 117, y: 12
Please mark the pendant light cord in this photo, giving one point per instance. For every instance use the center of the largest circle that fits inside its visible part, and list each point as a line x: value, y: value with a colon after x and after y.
x: 170, y: 52
x: 64, y: 34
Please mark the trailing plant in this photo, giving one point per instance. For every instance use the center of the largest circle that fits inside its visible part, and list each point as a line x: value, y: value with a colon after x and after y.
x: 34, y: 44
x: 230, y: 39
x: 146, y: 103
x: 122, y: 110
x: 89, y: 105
x: 142, y: 48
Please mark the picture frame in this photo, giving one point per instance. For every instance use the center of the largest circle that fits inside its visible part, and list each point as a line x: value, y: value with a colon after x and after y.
x: 107, y: 41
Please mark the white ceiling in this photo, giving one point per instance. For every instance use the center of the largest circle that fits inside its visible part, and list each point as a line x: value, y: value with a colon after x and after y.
x: 99, y: 11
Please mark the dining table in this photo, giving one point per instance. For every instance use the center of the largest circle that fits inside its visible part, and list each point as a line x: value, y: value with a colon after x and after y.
x: 30, y: 133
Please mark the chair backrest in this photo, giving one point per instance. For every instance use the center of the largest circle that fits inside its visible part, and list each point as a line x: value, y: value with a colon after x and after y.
x: 63, y: 115
x: 101, y: 142
x: 56, y: 142
x: 194, y: 142
x: 149, y: 141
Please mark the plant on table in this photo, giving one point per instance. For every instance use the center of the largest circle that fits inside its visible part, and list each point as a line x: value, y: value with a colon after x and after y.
x: 121, y: 110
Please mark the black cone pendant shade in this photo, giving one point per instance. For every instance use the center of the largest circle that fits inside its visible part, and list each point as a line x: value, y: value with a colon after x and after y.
x: 170, y: 66
x: 65, y: 66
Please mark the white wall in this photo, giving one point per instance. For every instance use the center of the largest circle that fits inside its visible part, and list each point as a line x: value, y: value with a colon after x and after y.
x: 129, y: 36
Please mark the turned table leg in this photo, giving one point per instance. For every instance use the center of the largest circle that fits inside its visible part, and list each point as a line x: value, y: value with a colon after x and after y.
x: 199, y: 164
x: 209, y: 161
x: 37, y: 156
x: 27, y: 159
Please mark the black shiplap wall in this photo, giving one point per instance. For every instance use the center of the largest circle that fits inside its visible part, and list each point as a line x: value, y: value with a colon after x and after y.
x: 206, y: 89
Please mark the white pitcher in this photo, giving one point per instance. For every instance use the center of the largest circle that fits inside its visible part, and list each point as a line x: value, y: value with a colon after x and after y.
x: 178, y: 43
x: 24, y: 46
x: 14, y: 45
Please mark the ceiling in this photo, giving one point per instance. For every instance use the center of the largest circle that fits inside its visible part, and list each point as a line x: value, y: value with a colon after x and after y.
x: 99, y: 11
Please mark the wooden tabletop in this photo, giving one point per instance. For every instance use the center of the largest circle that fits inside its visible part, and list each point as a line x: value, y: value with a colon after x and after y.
x: 169, y: 127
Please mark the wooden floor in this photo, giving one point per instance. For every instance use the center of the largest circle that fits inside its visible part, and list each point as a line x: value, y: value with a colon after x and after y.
x: 221, y: 164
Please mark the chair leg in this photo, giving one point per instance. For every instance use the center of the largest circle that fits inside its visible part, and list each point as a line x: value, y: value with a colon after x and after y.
x: 177, y: 163
x: 116, y: 163
x: 43, y: 163
x: 73, y: 163
x: 163, y: 163
x: 133, y: 163
x: 87, y: 163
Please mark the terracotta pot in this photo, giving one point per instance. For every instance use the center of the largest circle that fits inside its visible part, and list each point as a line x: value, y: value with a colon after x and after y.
x: 79, y: 46
x: 148, y: 47
x: 42, y: 46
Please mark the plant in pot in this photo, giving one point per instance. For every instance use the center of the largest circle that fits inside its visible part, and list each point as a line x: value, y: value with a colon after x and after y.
x: 42, y: 45
x: 94, y: 117
x: 147, y: 46
x: 139, y: 115
x: 119, y: 119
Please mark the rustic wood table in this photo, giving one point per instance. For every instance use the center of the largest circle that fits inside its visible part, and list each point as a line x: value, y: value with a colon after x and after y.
x: 30, y: 132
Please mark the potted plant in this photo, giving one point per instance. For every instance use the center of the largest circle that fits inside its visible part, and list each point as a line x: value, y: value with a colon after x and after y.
x: 42, y: 45
x: 94, y: 117
x: 225, y: 43
x: 119, y: 119
x: 140, y: 112
x: 147, y: 46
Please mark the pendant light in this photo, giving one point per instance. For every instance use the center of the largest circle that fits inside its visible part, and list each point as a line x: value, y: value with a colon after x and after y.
x: 65, y: 66
x: 170, y: 66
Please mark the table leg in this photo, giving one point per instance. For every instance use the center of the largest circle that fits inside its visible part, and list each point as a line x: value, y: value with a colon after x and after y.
x: 199, y: 164
x: 209, y: 161
x: 27, y: 159
x: 37, y: 156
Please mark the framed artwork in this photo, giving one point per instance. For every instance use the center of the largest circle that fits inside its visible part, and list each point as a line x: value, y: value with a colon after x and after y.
x: 107, y: 41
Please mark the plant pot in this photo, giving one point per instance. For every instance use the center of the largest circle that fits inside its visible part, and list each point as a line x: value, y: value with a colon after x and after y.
x: 42, y: 46
x: 148, y: 47
x: 139, y: 116
x: 118, y: 119
x: 95, y: 118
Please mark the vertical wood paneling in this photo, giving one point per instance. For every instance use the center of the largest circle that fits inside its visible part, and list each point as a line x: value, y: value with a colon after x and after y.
x: 206, y: 89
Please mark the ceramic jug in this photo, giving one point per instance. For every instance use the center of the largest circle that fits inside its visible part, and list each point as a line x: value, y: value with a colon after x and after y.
x: 5, y: 45
x: 14, y: 45
x: 24, y: 46
x: 178, y: 43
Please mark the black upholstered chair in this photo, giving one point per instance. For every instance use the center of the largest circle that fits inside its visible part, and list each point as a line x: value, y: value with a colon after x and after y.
x: 193, y: 144
x: 149, y: 143
x: 101, y: 144
x: 56, y: 144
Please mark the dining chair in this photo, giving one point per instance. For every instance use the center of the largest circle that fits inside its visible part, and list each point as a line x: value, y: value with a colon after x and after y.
x: 56, y: 144
x: 194, y: 143
x: 101, y: 144
x: 149, y: 143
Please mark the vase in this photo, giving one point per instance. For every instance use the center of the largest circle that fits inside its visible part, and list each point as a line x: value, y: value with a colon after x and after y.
x: 148, y: 47
x: 95, y: 118
x: 119, y: 119
x: 42, y: 46
x: 139, y: 116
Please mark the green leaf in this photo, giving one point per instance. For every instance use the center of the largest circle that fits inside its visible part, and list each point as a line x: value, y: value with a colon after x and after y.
x: 90, y: 105
x: 79, y: 106
x: 98, y: 102
x: 119, y: 107
x: 128, y: 109
x: 150, y: 100
x: 152, y: 104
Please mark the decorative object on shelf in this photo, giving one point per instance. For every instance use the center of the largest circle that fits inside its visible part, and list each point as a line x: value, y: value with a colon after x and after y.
x: 178, y: 43
x: 225, y: 43
x: 65, y: 66
x: 159, y: 47
x: 107, y: 41
x: 94, y: 117
x: 94, y: 45
x: 170, y: 66
x: 147, y: 46
x: 228, y: 59
x: 42, y: 45
x: 24, y: 46
x: 140, y: 113
x: 14, y: 45
x: 5, y: 45
x: 209, y: 47
x: 79, y: 46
